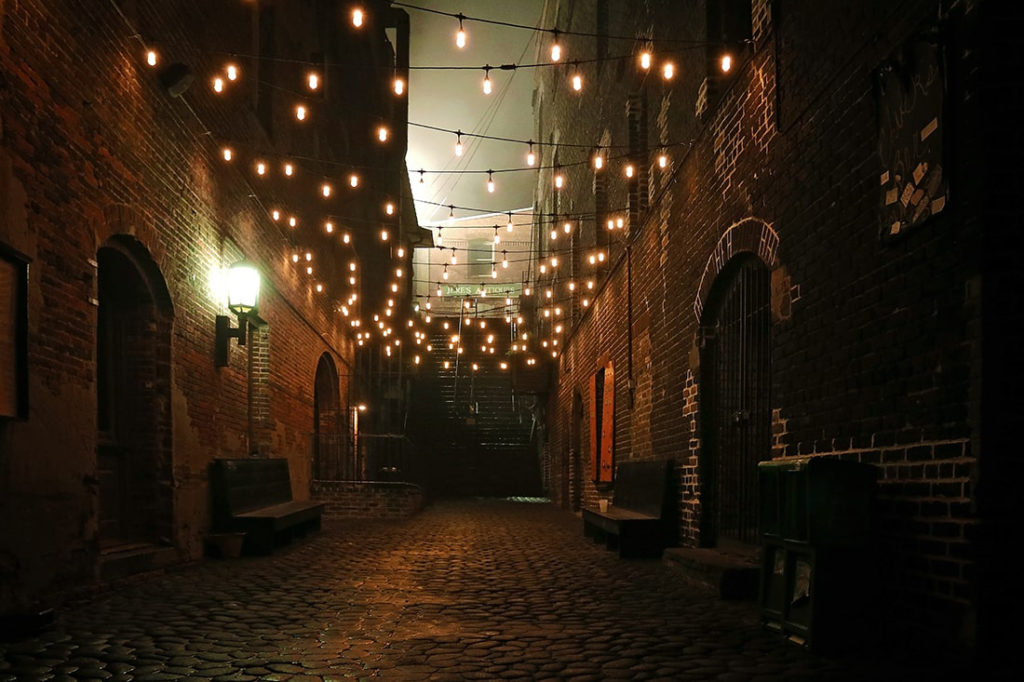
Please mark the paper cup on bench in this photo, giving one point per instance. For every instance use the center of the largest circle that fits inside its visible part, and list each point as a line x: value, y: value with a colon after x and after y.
x: 602, y: 505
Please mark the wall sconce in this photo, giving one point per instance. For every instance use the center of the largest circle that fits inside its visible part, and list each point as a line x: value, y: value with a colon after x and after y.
x: 243, y: 297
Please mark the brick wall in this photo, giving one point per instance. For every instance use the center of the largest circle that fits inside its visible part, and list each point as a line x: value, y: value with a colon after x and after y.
x: 93, y: 149
x: 368, y: 499
x: 872, y: 342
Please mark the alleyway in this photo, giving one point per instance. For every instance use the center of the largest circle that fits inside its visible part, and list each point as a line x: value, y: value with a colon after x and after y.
x: 469, y: 590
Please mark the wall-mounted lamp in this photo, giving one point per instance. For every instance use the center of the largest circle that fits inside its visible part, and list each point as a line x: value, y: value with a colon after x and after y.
x: 243, y: 281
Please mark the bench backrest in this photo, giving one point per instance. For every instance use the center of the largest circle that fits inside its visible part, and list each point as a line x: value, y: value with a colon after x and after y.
x: 241, y: 485
x: 642, y: 486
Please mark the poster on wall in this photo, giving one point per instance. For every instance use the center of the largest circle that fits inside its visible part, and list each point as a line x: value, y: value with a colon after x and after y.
x: 13, y: 336
x: 910, y: 86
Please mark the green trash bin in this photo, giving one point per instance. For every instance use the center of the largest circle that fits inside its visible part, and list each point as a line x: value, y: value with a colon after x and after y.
x: 817, y: 565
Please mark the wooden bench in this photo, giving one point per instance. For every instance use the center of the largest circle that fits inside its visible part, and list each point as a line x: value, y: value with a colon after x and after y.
x: 638, y: 522
x: 254, y: 496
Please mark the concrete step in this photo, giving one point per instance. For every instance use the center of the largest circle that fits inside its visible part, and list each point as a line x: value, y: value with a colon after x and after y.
x: 731, y: 575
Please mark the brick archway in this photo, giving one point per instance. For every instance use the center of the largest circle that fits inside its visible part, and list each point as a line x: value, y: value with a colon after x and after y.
x: 751, y: 235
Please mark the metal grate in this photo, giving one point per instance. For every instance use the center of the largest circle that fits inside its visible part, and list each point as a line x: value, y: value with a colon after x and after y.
x: 736, y: 384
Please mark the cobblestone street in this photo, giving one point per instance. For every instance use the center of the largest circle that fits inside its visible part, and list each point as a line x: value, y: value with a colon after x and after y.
x: 470, y: 590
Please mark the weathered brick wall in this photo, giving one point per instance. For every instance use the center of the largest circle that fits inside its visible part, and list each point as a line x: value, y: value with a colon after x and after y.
x: 872, y: 341
x: 92, y: 147
x: 368, y: 499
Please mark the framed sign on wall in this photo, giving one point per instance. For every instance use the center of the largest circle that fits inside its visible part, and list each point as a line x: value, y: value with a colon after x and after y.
x: 13, y: 334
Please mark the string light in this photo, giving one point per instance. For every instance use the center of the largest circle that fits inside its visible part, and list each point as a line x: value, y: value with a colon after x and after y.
x: 293, y: 221
x: 458, y: 143
x: 152, y: 58
x: 319, y: 288
x: 668, y: 71
x: 384, y: 235
x: 567, y: 227
x: 487, y: 80
x: 454, y: 258
x: 421, y: 176
x: 726, y: 63
x: 398, y: 85
x: 629, y: 170
x: 645, y: 60
x: 497, y: 237
x: 439, y: 294
x: 598, y: 159
x: 490, y: 186
x: 346, y: 238
x: 328, y: 227
x: 275, y: 214
x: 509, y: 226
x: 662, y: 159
x: 300, y: 112
x: 460, y: 37
x: 313, y: 80
x: 218, y: 84
x: 357, y: 17
x: 353, y: 180
x: 389, y: 208
x: 556, y: 48
x: 401, y: 252
x: 444, y: 275
x: 261, y: 168
x: 382, y: 133
x: 325, y: 189
x: 504, y: 260
x: 227, y: 153
x: 559, y: 179
x: 577, y: 78
x: 289, y: 169
x: 531, y: 158
x: 232, y: 72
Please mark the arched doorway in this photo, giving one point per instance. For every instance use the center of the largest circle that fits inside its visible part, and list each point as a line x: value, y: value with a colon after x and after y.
x: 133, y: 383
x: 735, y: 371
x: 329, y: 461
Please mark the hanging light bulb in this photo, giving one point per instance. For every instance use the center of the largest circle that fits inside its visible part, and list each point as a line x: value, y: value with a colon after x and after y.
x: 454, y: 259
x: 554, y: 261
x: 421, y: 176
x: 292, y: 222
x: 384, y: 235
x: 218, y: 84
x: 353, y: 180
x: 504, y: 260
x: 326, y: 189
x: 389, y: 208
x: 577, y: 79
x: 451, y: 213
x: 232, y: 72
x: 629, y: 170
x: 357, y: 17
x: 668, y: 71
x: 490, y: 181
x: 275, y: 214
x: 295, y: 258
x: 329, y: 227
x: 346, y: 238
x: 531, y: 158
x: 152, y: 57
x: 559, y: 179
x: 645, y: 60
x: 398, y: 85
x: 556, y: 48
x: 554, y: 234
x: 300, y: 112
x: 726, y: 62
x: 401, y: 252
x: 497, y: 237
x: 458, y: 143
x: 460, y: 37
x: 227, y: 153
x: 509, y: 226
x: 289, y: 169
x: 440, y: 294
x: 313, y: 80
x: 261, y: 168
x: 611, y: 224
x: 319, y: 288
x: 382, y: 133
x: 494, y: 273
x: 598, y: 159
x: 487, y: 80
x: 619, y: 222
x: 662, y: 159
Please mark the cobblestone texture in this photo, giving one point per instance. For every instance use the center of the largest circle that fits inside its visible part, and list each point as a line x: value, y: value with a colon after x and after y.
x: 480, y: 590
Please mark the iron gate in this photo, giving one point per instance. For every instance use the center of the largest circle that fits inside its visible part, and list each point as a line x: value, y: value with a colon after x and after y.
x: 735, y: 384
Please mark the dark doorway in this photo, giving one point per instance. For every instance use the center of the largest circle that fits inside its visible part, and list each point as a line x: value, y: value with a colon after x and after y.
x: 134, y: 465
x: 330, y: 462
x: 734, y: 404
x: 576, y: 452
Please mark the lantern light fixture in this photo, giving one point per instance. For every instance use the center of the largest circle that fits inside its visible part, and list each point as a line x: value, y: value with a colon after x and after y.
x: 243, y: 289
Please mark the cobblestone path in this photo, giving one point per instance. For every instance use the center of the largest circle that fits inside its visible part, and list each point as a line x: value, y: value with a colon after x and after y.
x: 480, y: 590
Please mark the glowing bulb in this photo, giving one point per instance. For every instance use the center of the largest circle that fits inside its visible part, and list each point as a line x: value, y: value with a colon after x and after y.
x: 556, y: 49
x: 325, y: 189
x: 275, y: 214
x: 401, y: 252
x: 598, y: 161
x: 445, y: 276
x: 352, y: 265
x: 292, y: 222
x: 389, y: 208
x: 460, y: 37
x: 458, y: 145
x: 295, y: 258
x: 328, y: 227
x: 151, y: 57
x: 227, y: 153
x: 353, y: 180
x: 543, y: 268
x: 346, y: 238
x: 319, y: 288
x: 487, y: 82
x: 232, y: 72
x: 504, y: 260
x: 300, y: 112
x: 645, y: 60
x: 577, y: 81
x: 352, y: 281
x: 662, y: 160
x: 554, y: 234
x: 629, y: 170
x: 494, y: 273
x: 619, y: 222
x: 309, y: 270
x: 567, y: 227
x: 497, y: 237
x: 382, y: 134
x: 439, y: 293
x: 399, y: 86
x: 531, y: 158
x: 289, y: 169
x: 490, y: 182
x: 218, y: 84
x: 454, y: 260
x: 357, y: 18
x: 726, y: 63
x: 559, y: 180
x: 668, y: 71
x: 398, y: 272
x: 261, y: 168
x: 554, y: 261
x: 384, y: 235
x: 313, y: 81
x: 611, y: 224
x: 509, y: 226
